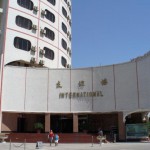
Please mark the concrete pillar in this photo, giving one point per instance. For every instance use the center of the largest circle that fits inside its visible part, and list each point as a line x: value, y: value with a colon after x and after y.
x: 0, y: 121
x: 47, y: 122
x: 121, y: 127
x: 75, y: 123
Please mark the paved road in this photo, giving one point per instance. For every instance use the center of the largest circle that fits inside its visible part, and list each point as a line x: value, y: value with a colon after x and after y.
x: 108, y: 146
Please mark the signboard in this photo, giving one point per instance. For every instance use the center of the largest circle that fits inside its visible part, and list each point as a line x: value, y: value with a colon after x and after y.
x: 136, y: 131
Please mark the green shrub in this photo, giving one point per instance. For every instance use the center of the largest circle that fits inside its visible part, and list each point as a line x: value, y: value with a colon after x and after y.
x: 39, y: 125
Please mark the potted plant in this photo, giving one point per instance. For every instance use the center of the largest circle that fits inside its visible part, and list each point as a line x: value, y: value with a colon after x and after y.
x: 84, y: 127
x: 38, y: 126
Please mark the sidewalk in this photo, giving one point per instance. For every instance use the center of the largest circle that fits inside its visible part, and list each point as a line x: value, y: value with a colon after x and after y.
x: 108, y: 146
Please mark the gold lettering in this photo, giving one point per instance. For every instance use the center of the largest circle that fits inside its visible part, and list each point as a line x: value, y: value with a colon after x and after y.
x: 94, y: 94
x: 74, y: 95
x: 90, y: 94
x: 87, y: 94
x: 61, y: 95
x: 66, y: 95
x: 81, y: 94
x: 70, y: 94
x: 81, y: 83
x: 97, y: 93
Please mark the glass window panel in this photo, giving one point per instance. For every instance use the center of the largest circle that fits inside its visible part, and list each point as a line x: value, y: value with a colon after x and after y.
x: 49, y: 53
x: 64, y: 44
x: 53, y: 2
x: 49, y: 34
x: 23, y: 22
x: 63, y: 61
x: 28, y: 4
x: 22, y: 44
x: 50, y: 16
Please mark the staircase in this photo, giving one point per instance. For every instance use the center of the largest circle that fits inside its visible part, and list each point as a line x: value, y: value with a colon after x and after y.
x: 64, y: 137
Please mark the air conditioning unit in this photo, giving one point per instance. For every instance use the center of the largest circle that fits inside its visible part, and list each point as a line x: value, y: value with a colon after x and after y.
x: 43, y: 31
x: 41, y: 62
x: 70, y: 8
x: 32, y: 60
x: 68, y: 4
x: 70, y: 22
x: 43, y: 12
x: 33, y: 48
x: 70, y: 38
x: 35, y: 8
x: 68, y: 66
x: 68, y: 18
x: 68, y: 33
x: 34, y: 27
x: 70, y: 52
x: 42, y: 51
x: 65, y: 65
x: 68, y: 49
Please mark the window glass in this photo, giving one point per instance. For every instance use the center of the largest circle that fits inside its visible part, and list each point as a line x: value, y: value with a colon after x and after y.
x: 63, y: 61
x: 64, y: 12
x: 22, y: 44
x: 49, y: 53
x: 65, y: 1
x: 49, y: 34
x: 50, y: 16
x: 23, y: 22
x: 64, y: 28
x: 28, y: 4
x: 64, y: 44
x: 53, y: 2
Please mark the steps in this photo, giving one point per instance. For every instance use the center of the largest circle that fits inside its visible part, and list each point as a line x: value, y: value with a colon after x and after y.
x: 64, y: 137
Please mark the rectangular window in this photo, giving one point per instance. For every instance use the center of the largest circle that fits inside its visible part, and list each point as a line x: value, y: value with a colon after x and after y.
x: 50, y: 16
x: 63, y: 61
x: 28, y: 4
x: 49, y: 53
x: 64, y: 28
x: 64, y: 44
x: 64, y: 12
x: 23, y: 22
x: 22, y: 44
x: 49, y: 34
x: 53, y: 2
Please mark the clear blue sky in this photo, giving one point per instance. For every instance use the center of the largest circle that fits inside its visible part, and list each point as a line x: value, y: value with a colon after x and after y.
x: 106, y: 32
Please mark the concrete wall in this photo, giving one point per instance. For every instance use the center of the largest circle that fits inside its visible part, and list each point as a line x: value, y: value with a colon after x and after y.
x: 35, y: 89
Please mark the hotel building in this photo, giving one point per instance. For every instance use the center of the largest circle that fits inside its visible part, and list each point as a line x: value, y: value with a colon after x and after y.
x: 38, y: 84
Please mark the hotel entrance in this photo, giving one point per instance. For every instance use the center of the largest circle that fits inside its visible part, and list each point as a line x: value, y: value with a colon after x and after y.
x: 62, y: 123
x: 91, y: 123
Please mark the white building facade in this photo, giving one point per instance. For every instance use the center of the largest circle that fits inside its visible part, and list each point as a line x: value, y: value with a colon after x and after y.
x: 38, y: 85
x: 36, y: 33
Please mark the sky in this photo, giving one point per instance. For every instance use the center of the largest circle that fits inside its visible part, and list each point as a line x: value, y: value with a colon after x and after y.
x: 106, y: 32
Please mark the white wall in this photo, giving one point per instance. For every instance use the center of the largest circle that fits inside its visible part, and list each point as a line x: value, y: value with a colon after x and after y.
x: 126, y: 87
x: 107, y: 102
x: 36, y: 39
x: 143, y: 68
x: 34, y: 89
x: 55, y: 104
x: 81, y: 104
x: 13, y: 96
